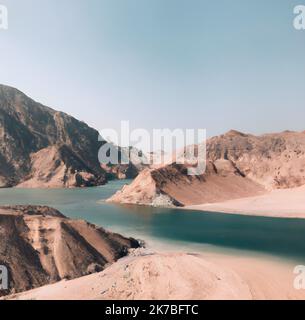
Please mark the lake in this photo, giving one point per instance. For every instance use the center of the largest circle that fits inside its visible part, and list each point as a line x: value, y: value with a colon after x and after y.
x: 177, y: 228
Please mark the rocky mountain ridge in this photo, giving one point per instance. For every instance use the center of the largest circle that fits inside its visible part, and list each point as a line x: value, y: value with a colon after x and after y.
x: 41, y: 147
x: 238, y: 165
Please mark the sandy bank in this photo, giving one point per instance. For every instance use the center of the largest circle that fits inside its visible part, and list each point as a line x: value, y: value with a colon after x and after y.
x: 285, y: 203
x: 178, y: 276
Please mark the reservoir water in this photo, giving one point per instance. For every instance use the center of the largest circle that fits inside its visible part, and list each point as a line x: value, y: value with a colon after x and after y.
x: 283, y: 238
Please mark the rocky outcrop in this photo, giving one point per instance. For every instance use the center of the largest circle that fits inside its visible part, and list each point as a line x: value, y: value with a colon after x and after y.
x: 238, y: 165
x: 172, y: 186
x: 41, y: 147
x: 40, y: 246
x: 275, y: 160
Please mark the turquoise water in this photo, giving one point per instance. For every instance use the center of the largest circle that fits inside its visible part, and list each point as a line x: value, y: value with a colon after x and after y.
x: 184, y: 228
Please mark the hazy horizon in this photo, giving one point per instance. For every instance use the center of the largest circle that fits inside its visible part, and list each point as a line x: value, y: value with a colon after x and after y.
x: 180, y: 64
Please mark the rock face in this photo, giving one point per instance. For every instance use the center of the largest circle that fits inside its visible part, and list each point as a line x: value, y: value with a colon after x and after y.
x: 276, y: 161
x: 40, y: 147
x: 40, y: 246
x: 238, y: 166
x: 172, y: 186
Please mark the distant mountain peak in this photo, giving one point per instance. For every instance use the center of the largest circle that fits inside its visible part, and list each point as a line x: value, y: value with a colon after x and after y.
x: 233, y: 132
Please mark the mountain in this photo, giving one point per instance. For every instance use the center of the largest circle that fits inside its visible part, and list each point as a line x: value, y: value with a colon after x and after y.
x: 40, y: 246
x: 41, y: 147
x: 238, y: 165
x: 276, y: 160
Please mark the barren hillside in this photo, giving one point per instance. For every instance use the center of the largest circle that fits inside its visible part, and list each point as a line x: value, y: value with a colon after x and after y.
x: 40, y: 246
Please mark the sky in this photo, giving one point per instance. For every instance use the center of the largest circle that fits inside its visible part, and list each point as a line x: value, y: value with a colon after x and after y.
x: 215, y: 65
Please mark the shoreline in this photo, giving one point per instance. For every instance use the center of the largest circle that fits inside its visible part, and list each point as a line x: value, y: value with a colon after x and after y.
x: 221, y: 209
x: 154, y: 275
x: 281, y: 203
x: 174, y: 272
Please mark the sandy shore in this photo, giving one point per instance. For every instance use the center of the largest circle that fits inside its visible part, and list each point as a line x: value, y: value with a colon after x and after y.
x: 179, y: 276
x: 285, y: 203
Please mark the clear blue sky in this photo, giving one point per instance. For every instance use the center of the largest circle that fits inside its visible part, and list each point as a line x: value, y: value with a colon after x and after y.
x: 160, y: 63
